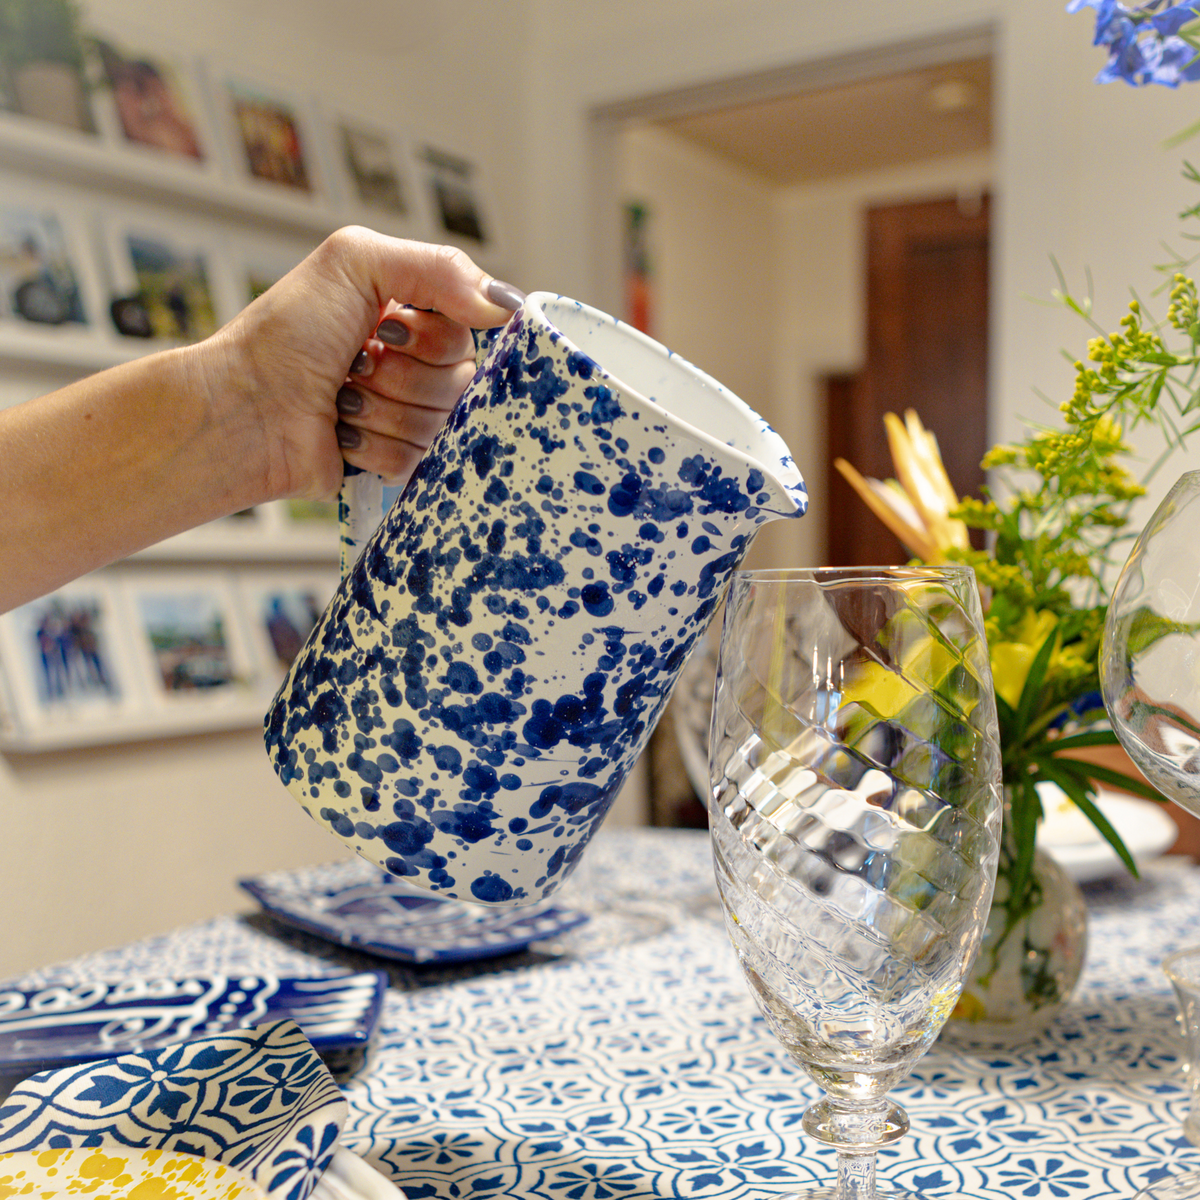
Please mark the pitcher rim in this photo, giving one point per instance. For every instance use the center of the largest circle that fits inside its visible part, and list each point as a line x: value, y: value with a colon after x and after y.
x: 536, y: 300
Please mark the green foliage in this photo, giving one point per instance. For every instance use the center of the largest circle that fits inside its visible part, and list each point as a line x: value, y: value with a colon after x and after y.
x: 1058, y: 532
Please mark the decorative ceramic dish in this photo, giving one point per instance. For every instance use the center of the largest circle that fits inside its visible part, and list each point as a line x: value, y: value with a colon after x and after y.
x: 258, y: 1099
x: 356, y: 905
x: 61, y: 1025
x: 123, y: 1171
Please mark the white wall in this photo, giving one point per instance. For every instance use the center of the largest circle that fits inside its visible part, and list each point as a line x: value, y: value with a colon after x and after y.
x: 100, y: 846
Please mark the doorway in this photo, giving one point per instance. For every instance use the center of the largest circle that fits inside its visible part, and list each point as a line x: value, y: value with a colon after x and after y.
x: 927, y: 349
x: 750, y: 199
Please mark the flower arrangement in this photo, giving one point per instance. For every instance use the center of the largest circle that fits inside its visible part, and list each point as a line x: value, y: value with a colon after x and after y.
x: 1056, y: 512
x: 1056, y: 516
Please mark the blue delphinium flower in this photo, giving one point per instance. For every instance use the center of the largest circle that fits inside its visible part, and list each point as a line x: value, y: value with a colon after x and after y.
x: 1146, y: 43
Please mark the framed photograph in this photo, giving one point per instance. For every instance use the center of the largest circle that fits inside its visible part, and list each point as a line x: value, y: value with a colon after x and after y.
x: 67, y: 659
x: 457, y: 194
x: 166, y: 282
x: 43, y: 71
x: 45, y: 275
x: 150, y: 102
x: 281, y: 608
x: 376, y: 176
x: 189, y: 637
x: 269, y: 135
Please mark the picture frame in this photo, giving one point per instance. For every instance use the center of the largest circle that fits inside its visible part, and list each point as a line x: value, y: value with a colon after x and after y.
x: 457, y: 191
x: 189, y: 639
x: 375, y: 176
x: 150, y: 102
x: 68, y: 660
x: 281, y: 607
x: 166, y: 282
x: 48, y: 279
x: 269, y: 134
x: 43, y: 64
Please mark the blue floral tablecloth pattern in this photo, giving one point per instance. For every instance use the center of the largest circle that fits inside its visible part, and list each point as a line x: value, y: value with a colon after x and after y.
x: 627, y: 1061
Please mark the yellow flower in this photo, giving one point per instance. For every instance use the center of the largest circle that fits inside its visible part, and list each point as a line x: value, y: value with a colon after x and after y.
x: 917, y: 508
x: 1011, y: 660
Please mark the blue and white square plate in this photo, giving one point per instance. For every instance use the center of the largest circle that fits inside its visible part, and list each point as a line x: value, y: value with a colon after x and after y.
x: 355, y: 904
x: 62, y: 1025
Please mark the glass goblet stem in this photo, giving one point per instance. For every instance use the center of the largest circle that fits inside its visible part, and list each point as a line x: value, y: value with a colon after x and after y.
x: 857, y: 1130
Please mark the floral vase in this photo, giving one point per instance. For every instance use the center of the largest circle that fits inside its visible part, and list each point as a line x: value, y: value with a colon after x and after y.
x: 1030, y: 959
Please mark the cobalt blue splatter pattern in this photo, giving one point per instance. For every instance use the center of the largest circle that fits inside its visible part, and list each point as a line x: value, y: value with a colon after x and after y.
x: 472, y: 701
x: 260, y: 1100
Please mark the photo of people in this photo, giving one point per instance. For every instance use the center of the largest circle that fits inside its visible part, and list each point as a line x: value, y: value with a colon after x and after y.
x: 287, y: 617
x: 454, y: 190
x: 67, y: 657
x: 172, y: 286
x: 188, y: 635
x: 372, y: 167
x: 151, y: 102
x: 38, y: 280
x: 271, y: 139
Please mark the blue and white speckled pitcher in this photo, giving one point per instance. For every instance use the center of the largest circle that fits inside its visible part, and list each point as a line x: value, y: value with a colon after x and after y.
x: 472, y: 700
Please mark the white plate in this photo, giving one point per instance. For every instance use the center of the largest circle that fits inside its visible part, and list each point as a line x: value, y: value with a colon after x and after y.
x: 349, y: 1177
x: 1146, y: 829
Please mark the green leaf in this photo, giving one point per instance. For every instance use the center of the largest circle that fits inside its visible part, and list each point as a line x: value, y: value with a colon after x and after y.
x: 1025, y: 811
x: 1076, y: 789
x: 1177, y: 139
x: 1032, y: 691
x: 1118, y: 779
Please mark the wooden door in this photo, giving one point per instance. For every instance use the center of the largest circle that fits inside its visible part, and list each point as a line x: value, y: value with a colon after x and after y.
x: 927, y: 347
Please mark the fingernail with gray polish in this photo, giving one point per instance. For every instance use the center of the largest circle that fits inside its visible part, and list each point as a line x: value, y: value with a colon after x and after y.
x: 349, y: 402
x: 393, y: 333
x: 362, y: 365
x: 348, y: 437
x: 505, y: 295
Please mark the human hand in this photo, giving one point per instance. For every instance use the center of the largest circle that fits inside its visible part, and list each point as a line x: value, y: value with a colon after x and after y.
x: 358, y: 354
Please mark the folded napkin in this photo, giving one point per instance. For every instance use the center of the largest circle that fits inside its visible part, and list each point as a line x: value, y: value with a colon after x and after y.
x: 257, y: 1099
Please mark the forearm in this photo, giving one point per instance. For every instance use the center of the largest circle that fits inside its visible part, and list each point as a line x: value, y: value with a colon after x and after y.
x: 118, y: 461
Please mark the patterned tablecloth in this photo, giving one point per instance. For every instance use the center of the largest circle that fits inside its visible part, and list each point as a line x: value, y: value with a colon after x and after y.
x: 629, y: 1060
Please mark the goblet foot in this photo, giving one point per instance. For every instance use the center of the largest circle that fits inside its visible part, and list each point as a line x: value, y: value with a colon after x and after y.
x: 857, y: 1131
x: 1173, y: 1187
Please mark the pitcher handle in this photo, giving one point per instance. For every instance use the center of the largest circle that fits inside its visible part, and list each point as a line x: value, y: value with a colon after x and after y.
x: 360, y: 501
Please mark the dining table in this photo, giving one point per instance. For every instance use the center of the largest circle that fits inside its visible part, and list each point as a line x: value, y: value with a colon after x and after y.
x: 624, y: 1058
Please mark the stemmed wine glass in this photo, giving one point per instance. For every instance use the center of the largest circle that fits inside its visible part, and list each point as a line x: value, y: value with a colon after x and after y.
x: 1150, y: 676
x: 855, y: 823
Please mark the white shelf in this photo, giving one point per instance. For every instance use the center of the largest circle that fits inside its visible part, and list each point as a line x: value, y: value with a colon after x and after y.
x: 246, y: 714
x: 73, y: 351
x: 88, y: 160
